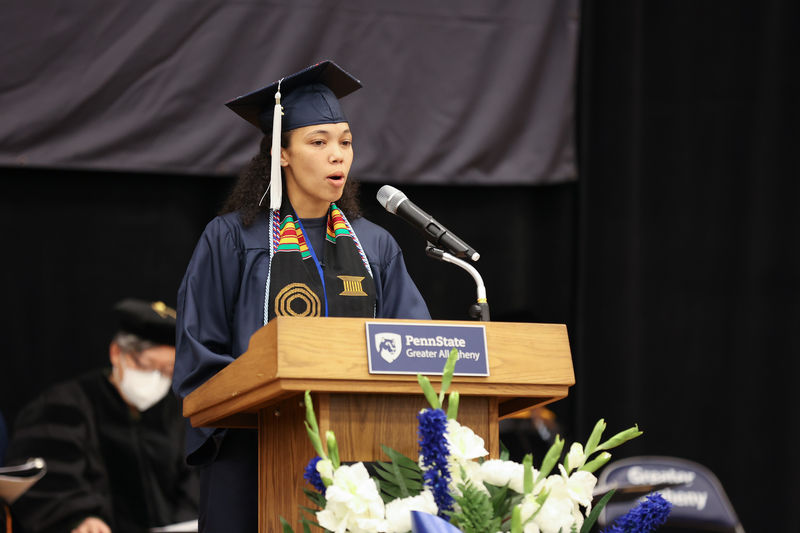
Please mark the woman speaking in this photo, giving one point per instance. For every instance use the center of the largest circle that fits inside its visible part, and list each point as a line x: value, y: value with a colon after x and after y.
x: 290, y: 241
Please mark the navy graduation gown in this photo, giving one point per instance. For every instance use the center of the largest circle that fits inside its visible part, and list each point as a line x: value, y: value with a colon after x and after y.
x: 221, y: 300
x: 220, y: 305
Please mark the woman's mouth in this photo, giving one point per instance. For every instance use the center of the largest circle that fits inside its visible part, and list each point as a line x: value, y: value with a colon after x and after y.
x: 337, y: 178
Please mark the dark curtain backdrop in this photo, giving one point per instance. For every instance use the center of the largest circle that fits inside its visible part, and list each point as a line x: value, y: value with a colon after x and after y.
x: 467, y: 92
x: 689, y: 271
x: 673, y: 259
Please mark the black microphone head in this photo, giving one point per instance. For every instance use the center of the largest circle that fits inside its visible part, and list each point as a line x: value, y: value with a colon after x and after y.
x: 390, y: 197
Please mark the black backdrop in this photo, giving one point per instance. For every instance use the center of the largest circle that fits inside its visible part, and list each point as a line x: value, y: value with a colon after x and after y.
x: 673, y: 260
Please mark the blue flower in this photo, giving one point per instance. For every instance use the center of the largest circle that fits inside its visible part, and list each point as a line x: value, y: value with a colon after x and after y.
x: 645, y: 517
x: 434, y: 452
x: 312, y: 476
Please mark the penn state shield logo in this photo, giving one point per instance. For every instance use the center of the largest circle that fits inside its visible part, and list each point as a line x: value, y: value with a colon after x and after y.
x: 388, y: 345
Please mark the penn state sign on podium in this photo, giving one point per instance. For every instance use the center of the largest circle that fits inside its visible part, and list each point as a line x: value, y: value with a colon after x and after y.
x: 528, y: 365
x: 400, y: 347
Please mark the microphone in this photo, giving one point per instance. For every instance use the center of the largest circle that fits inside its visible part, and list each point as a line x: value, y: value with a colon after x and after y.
x: 398, y: 204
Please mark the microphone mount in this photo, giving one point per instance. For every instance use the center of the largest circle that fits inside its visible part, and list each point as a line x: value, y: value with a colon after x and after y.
x: 480, y: 309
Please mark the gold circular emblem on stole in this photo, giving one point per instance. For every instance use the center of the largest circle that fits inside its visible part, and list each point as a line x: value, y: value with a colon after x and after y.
x: 296, y: 299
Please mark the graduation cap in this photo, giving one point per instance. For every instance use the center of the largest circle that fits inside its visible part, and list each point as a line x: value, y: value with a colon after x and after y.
x: 150, y: 321
x: 308, y: 97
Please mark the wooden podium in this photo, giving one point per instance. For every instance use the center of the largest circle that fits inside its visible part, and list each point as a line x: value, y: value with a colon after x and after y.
x: 529, y: 365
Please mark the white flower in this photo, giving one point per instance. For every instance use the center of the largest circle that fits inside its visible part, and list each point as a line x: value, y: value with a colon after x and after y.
x: 471, y: 471
x: 353, y: 502
x: 557, y: 515
x: 398, y: 512
x: 530, y: 527
x: 575, y: 457
x: 580, y: 486
x: 502, y: 473
x: 561, y: 510
x: 463, y: 442
x: 528, y: 506
x: 325, y: 469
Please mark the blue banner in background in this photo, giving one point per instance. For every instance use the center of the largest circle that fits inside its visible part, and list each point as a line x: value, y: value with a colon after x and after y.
x: 407, y: 348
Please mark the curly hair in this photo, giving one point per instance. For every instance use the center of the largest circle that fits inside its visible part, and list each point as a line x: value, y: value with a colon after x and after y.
x: 252, y: 183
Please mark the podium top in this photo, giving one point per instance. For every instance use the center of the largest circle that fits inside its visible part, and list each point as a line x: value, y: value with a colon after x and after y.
x: 529, y: 364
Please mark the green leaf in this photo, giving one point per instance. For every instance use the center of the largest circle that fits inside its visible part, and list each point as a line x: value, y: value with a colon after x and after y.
x: 311, y: 418
x: 504, y: 453
x: 386, y: 472
x: 307, y: 522
x: 399, y: 458
x: 541, y: 498
x: 286, y: 527
x: 621, y: 437
x: 516, y: 520
x: 551, y: 458
x: 527, y: 473
x: 401, y: 476
x: 596, y: 463
x: 476, y: 514
x: 596, y: 510
x: 447, y: 373
x: 427, y: 390
x: 316, y: 442
x: 594, y: 438
x: 333, y: 448
x: 392, y: 491
x: 315, y: 497
x: 452, y: 405
x: 309, y: 510
x: 501, y: 502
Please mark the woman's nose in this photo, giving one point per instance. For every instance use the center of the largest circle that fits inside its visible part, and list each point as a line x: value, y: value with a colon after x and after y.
x: 336, y: 154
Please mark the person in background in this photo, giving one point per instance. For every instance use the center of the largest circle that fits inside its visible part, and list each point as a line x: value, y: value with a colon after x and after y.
x: 113, y: 439
x: 299, y: 249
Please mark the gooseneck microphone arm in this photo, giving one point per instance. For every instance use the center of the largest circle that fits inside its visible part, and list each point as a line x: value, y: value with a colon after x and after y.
x: 480, y: 309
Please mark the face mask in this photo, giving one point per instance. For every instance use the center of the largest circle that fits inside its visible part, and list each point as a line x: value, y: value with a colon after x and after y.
x: 143, y: 389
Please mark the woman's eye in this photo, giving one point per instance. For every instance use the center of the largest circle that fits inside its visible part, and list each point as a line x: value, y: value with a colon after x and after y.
x: 347, y: 143
x: 318, y: 143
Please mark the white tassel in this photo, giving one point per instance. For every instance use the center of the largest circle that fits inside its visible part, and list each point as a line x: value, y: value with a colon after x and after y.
x: 276, y: 188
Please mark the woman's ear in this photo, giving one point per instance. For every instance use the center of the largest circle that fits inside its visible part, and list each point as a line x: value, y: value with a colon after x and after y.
x: 284, y: 158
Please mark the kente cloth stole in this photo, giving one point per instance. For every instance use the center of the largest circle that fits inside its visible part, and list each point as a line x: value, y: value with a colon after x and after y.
x: 335, y: 281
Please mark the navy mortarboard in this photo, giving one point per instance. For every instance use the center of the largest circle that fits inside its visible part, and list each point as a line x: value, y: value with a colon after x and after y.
x: 304, y: 98
x: 150, y: 321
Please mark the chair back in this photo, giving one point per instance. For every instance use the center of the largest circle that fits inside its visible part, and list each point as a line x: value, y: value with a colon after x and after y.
x: 697, y: 497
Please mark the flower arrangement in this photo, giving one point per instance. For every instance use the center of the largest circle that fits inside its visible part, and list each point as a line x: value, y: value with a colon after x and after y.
x: 452, y: 487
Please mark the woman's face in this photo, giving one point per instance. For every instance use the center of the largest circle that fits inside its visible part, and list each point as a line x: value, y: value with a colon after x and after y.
x: 316, y: 165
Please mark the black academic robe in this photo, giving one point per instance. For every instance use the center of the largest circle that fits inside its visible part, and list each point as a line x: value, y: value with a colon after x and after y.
x: 104, y: 459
